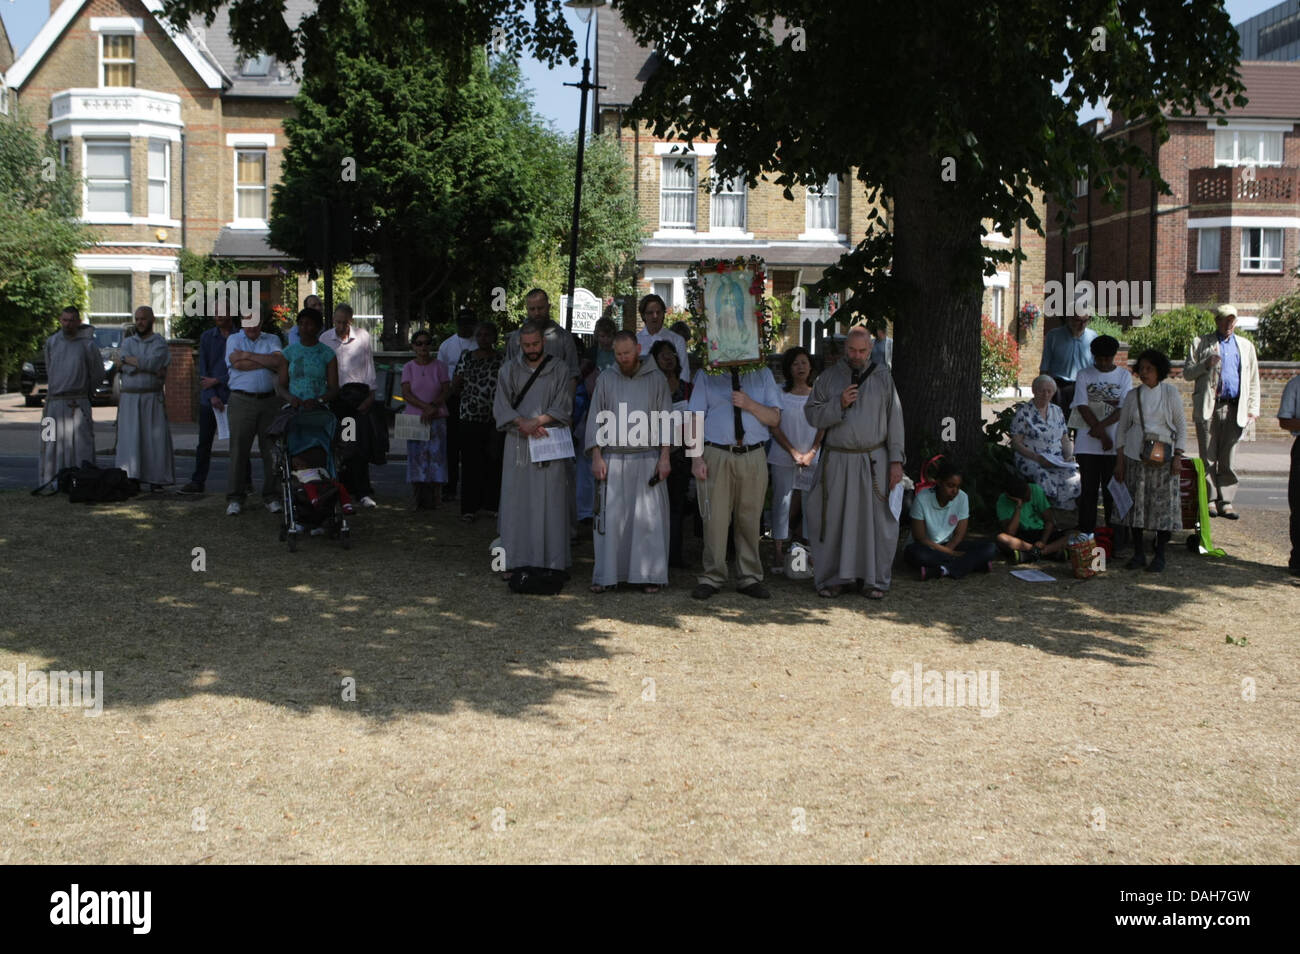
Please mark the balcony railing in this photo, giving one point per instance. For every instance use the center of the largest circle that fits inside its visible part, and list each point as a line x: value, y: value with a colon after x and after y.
x: 72, y: 111
x: 1244, y: 185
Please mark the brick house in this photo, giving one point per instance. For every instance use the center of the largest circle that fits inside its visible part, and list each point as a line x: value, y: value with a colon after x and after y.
x: 685, y: 218
x: 178, y: 139
x: 1229, y: 233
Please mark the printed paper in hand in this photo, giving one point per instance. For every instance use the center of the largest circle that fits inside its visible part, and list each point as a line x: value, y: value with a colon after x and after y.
x: 1122, y: 499
x: 409, y: 427
x: 556, y: 445
x: 1033, y: 576
x: 1056, y: 460
x: 223, y: 424
x: 896, y: 500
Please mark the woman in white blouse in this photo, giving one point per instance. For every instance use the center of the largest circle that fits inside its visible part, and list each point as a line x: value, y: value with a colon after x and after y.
x: 794, y: 446
x: 1152, y: 412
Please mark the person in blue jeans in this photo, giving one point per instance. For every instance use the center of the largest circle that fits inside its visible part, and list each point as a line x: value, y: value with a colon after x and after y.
x: 940, y: 515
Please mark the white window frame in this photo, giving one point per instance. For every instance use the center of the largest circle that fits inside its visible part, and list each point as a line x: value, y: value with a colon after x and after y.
x: 102, y: 62
x: 741, y: 190
x: 4, y: 98
x: 829, y: 189
x: 255, y: 61
x: 1261, y: 268
x: 244, y: 223
x: 664, y: 289
x: 1236, y: 159
x: 1081, y: 186
x: 677, y: 228
x: 1080, y: 260
x: 997, y: 296
x: 166, y: 180
x: 1200, y: 251
x: 113, y: 317
x: 105, y: 218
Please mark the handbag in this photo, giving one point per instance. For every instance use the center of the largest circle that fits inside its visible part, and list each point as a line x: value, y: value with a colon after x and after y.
x: 1155, y: 452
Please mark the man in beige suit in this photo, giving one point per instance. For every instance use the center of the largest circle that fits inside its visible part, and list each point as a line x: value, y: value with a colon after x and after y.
x: 1226, y: 400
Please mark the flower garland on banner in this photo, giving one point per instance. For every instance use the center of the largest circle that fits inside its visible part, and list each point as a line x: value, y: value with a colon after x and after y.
x: 768, y: 324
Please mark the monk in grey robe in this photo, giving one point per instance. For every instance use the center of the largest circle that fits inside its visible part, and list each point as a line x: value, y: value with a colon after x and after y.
x: 629, y: 438
x: 144, y: 440
x: 74, y: 366
x: 559, y: 344
x: 534, y: 497
x: 854, y: 534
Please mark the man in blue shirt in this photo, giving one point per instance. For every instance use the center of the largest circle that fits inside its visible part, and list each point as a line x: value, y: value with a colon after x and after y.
x: 1288, y: 416
x: 731, y: 473
x: 253, y: 359
x: 1225, y: 400
x: 1067, y: 351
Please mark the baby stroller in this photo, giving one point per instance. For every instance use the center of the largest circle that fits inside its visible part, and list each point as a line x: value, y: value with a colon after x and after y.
x: 312, y: 497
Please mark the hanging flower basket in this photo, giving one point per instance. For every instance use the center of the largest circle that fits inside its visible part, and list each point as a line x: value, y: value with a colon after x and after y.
x: 1028, y: 316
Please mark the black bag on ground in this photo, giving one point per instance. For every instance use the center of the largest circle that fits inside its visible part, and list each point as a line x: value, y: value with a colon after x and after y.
x: 91, y: 484
x: 538, y: 580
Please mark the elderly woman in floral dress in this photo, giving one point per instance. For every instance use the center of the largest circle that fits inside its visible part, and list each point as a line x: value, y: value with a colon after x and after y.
x: 1038, y: 429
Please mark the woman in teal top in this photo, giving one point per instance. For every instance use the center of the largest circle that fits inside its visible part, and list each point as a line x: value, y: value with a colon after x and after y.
x: 309, y: 375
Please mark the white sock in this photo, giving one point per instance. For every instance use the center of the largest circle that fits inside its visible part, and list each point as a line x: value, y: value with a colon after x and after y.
x: 943, y: 570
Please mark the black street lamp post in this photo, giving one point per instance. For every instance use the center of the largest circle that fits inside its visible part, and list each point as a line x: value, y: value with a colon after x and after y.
x: 586, y: 12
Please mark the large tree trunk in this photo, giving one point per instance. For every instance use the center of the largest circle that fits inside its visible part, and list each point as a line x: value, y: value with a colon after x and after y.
x: 937, y: 257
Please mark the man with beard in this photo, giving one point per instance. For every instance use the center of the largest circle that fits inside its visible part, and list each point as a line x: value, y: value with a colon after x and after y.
x: 144, y: 441
x: 534, y: 394
x: 74, y: 366
x: 631, y: 531
x: 854, y: 533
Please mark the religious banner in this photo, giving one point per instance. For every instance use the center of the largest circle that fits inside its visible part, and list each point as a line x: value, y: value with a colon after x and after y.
x: 732, y: 325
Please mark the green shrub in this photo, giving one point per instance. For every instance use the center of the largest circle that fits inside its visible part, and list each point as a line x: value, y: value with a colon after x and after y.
x: 1171, y: 332
x: 1279, y: 329
x: 1104, y: 326
x: 999, y: 359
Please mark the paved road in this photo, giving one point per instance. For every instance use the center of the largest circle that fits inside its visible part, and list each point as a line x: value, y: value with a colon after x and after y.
x: 17, y: 473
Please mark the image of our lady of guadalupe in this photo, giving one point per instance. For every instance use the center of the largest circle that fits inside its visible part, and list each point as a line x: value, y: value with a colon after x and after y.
x: 736, y: 334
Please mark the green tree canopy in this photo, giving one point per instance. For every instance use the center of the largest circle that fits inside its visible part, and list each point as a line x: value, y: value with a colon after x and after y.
x: 39, y: 236
x: 425, y: 173
x: 953, y: 116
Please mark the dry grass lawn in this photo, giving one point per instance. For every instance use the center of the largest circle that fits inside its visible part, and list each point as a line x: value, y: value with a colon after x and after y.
x: 625, y: 727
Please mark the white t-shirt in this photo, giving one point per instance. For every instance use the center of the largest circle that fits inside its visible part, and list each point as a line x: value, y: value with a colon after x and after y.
x: 449, y: 351
x: 795, y: 426
x: 647, y: 340
x: 1093, y: 387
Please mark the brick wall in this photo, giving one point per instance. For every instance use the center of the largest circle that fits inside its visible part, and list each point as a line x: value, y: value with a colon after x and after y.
x: 182, y: 383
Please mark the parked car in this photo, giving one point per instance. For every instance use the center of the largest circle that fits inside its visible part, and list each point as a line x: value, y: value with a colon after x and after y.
x: 35, y: 383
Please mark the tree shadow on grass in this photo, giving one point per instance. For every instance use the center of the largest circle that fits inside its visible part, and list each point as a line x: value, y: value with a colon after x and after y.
x: 412, y: 612
x: 1114, y: 617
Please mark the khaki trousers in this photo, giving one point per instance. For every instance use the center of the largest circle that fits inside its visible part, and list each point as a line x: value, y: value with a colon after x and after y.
x: 735, y: 491
x: 1217, y: 439
x: 249, y: 418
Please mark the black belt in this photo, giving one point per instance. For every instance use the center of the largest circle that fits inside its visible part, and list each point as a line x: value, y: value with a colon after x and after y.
x: 1227, y: 400
x: 253, y: 394
x: 734, y: 448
